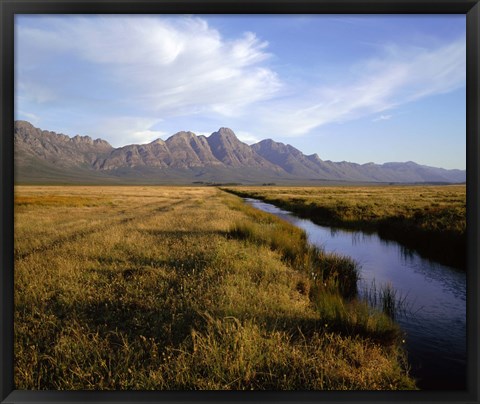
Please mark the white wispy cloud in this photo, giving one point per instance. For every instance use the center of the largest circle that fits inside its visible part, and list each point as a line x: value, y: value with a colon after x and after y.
x: 400, y: 76
x: 124, y: 130
x: 382, y: 118
x: 128, y: 74
x: 146, y: 63
x: 247, y: 137
x: 32, y: 118
x: 202, y: 133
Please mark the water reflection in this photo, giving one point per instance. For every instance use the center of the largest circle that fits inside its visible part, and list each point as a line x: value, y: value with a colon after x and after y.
x: 436, y: 331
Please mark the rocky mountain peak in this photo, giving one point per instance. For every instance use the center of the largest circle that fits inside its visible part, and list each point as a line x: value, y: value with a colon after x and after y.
x: 158, y: 141
x: 182, y: 135
x: 82, y: 139
x: 218, y: 157
x: 269, y: 143
x: 224, y: 134
x: 314, y: 157
x: 101, y: 142
x: 23, y: 125
x: 88, y: 143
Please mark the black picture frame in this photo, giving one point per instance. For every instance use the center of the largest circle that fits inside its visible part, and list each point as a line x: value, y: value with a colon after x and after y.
x: 8, y: 9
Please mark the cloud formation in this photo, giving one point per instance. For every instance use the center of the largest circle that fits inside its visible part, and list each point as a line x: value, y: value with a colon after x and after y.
x: 400, y: 76
x: 127, y: 75
x: 382, y: 118
x: 153, y: 64
x: 125, y: 130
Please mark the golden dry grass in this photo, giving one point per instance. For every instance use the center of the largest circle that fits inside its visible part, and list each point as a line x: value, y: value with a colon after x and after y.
x: 151, y: 288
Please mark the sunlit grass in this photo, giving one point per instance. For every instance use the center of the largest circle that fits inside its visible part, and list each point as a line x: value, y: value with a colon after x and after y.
x: 430, y: 219
x: 184, y: 288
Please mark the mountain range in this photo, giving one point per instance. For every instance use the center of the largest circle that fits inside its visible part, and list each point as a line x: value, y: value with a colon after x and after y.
x: 47, y: 157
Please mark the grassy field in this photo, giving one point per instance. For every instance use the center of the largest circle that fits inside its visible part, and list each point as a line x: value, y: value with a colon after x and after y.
x: 185, y: 288
x: 430, y: 219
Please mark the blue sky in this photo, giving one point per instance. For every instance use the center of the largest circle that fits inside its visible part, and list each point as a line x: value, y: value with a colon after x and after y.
x: 354, y: 88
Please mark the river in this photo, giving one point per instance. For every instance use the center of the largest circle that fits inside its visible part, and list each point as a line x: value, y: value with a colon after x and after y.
x: 434, y: 315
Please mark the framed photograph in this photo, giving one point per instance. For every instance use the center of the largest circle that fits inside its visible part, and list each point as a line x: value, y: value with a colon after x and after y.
x: 239, y: 201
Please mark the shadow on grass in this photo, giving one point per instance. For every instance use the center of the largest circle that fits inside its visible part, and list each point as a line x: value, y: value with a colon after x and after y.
x: 301, y: 328
x: 184, y: 233
x: 168, y: 318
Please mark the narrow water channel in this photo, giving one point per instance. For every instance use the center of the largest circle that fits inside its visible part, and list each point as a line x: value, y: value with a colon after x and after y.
x: 435, y: 297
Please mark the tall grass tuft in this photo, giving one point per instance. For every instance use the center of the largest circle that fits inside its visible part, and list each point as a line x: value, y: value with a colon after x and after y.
x: 387, y: 299
x: 334, y: 272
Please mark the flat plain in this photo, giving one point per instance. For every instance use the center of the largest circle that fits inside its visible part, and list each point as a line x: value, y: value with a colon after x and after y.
x: 180, y: 288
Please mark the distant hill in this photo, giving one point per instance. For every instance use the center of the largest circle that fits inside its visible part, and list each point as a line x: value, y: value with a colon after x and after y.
x: 47, y: 157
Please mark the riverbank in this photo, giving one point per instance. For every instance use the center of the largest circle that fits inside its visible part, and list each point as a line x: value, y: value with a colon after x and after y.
x: 176, y: 288
x: 428, y: 219
x: 427, y: 297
